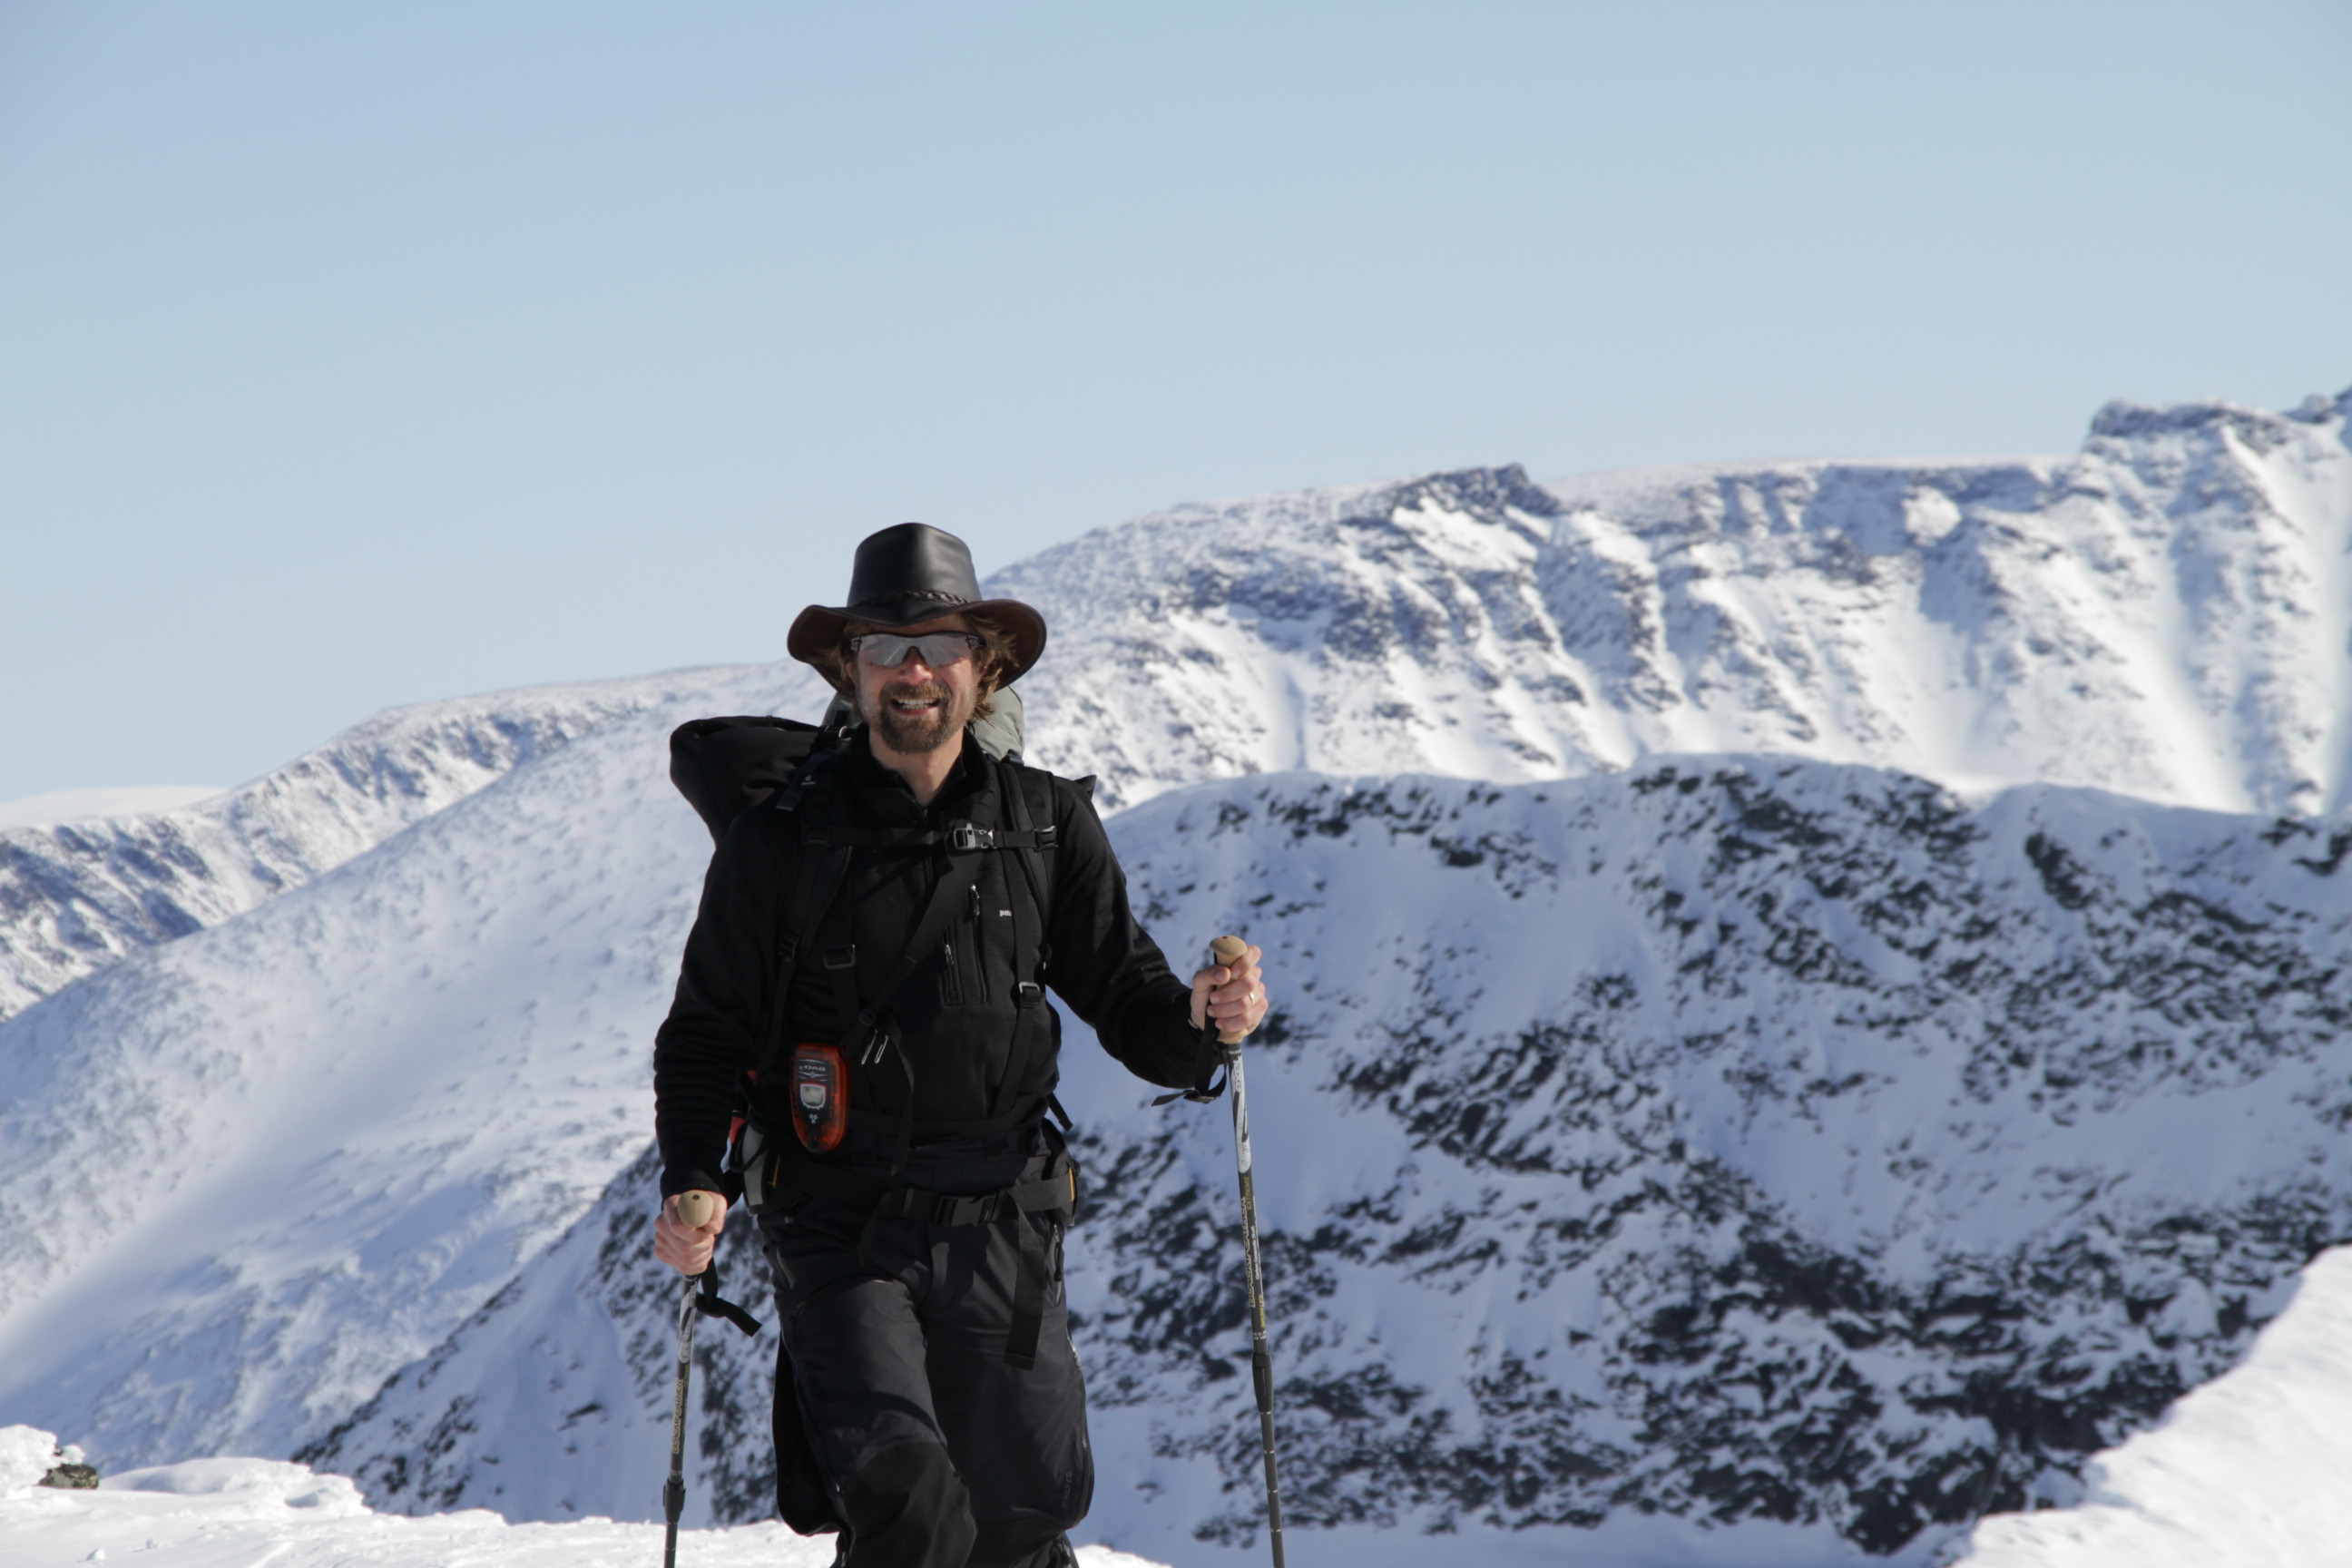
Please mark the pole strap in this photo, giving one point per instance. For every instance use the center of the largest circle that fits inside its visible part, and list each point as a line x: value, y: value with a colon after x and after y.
x: 711, y: 1304
x: 1207, y: 1083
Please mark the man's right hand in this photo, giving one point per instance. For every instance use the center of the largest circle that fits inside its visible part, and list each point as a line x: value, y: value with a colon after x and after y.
x: 686, y: 1247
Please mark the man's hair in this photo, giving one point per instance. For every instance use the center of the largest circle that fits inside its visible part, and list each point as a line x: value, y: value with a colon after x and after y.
x: 996, y: 654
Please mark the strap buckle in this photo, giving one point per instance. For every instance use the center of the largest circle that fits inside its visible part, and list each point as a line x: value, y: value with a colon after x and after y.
x: 842, y: 957
x: 1027, y: 993
x: 963, y: 837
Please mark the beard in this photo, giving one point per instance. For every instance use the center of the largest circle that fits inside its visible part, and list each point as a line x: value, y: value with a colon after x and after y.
x: 926, y: 729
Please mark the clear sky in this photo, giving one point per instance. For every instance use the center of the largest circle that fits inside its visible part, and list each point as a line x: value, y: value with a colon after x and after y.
x: 359, y: 353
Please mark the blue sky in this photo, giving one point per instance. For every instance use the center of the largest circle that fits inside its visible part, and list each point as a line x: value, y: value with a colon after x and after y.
x: 362, y: 353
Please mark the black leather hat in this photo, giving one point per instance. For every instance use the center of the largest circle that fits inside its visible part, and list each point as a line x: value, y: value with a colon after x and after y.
x: 906, y: 575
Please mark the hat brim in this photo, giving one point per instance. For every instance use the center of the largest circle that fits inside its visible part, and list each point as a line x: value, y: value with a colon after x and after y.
x: 817, y: 629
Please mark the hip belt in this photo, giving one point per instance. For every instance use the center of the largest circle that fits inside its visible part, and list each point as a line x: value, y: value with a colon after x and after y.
x: 776, y: 1174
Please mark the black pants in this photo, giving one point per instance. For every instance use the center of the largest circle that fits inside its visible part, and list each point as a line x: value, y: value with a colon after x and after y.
x: 937, y: 1454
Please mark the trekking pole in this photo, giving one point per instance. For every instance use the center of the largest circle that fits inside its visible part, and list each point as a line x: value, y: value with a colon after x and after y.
x: 1228, y: 949
x: 701, y: 1299
x: 694, y: 1209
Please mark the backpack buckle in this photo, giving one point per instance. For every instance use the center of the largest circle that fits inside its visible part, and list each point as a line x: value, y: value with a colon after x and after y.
x: 963, y: 837
x: 948, y: 1210
x: 842, y: 957
x: 1028, y: 994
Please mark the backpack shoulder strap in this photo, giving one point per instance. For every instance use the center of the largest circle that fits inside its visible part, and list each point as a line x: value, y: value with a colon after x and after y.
x: 815, y: 882
x: 1030, y: 843
x: 1028, y: 796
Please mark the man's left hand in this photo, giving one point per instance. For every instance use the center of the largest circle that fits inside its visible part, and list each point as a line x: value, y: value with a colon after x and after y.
x: 1233, y: 995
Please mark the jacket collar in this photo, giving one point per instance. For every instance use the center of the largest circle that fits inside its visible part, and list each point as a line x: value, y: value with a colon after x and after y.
x: 891, y: 797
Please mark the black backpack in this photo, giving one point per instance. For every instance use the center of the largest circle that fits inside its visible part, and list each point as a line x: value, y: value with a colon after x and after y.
x: 726, y: 766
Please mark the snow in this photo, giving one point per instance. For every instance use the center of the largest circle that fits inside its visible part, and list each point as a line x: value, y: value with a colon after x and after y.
x: 1812, y: 999
x: 247, y: 1175
x: 78, y: 896
x: 2164, y: 615
x: 2246, y: 1472
x: 60, y: 806
x: 25, y: 1456
x: 231, y: 1512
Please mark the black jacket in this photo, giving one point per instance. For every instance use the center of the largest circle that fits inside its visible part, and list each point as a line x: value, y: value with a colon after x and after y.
x: 955, y: 1021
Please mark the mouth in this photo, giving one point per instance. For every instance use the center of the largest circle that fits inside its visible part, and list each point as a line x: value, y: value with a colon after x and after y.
x: 918, y: 702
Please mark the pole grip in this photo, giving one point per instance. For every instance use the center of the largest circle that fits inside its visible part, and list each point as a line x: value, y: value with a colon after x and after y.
x: 695, y: 1209
x: 1227, y: 950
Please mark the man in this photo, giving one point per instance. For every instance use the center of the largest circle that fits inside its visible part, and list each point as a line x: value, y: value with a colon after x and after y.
x: 909, y: 895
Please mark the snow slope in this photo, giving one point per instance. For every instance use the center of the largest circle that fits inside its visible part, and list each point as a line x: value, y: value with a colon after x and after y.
x: 2168, y: 614
x: 247, y: 1175
x: 2245, y: 1472
x: 76, y: 894
x: 1756, y: 1144
x: 231, y: 1513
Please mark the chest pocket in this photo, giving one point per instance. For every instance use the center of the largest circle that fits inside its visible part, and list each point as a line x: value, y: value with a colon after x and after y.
x: 965, y: 979
x: 998, y: 940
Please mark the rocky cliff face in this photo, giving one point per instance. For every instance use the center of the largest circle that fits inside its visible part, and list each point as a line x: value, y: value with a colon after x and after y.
x: 1737, y: 1141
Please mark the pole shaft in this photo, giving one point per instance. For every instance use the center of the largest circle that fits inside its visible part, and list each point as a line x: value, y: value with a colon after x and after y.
x: 1261, y: 1358
x: 673, y: 1489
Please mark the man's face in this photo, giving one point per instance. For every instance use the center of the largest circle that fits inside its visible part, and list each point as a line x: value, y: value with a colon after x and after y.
x: 913, y: 707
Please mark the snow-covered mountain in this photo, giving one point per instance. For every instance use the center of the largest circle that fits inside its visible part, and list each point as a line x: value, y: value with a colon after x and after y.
x: 1740, y: 1139
x: 2166, y: 614
x: 1748, y: 1157
x: 79, y: 895
x: 247, y: 1175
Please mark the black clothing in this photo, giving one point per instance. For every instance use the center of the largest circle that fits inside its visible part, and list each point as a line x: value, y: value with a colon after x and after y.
x: 938, y: 1453
x: 930, y: 1362
x: 957, y: 1025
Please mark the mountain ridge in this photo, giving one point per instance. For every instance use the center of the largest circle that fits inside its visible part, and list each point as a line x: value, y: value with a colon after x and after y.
x: 2174, y: 592
x: 79, y: 895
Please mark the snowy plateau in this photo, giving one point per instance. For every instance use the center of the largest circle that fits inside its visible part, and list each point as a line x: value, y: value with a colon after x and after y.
x: 1812, y: 1011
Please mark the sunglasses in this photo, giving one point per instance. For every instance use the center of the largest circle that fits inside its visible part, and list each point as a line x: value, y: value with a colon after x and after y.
x: 939, y: 649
